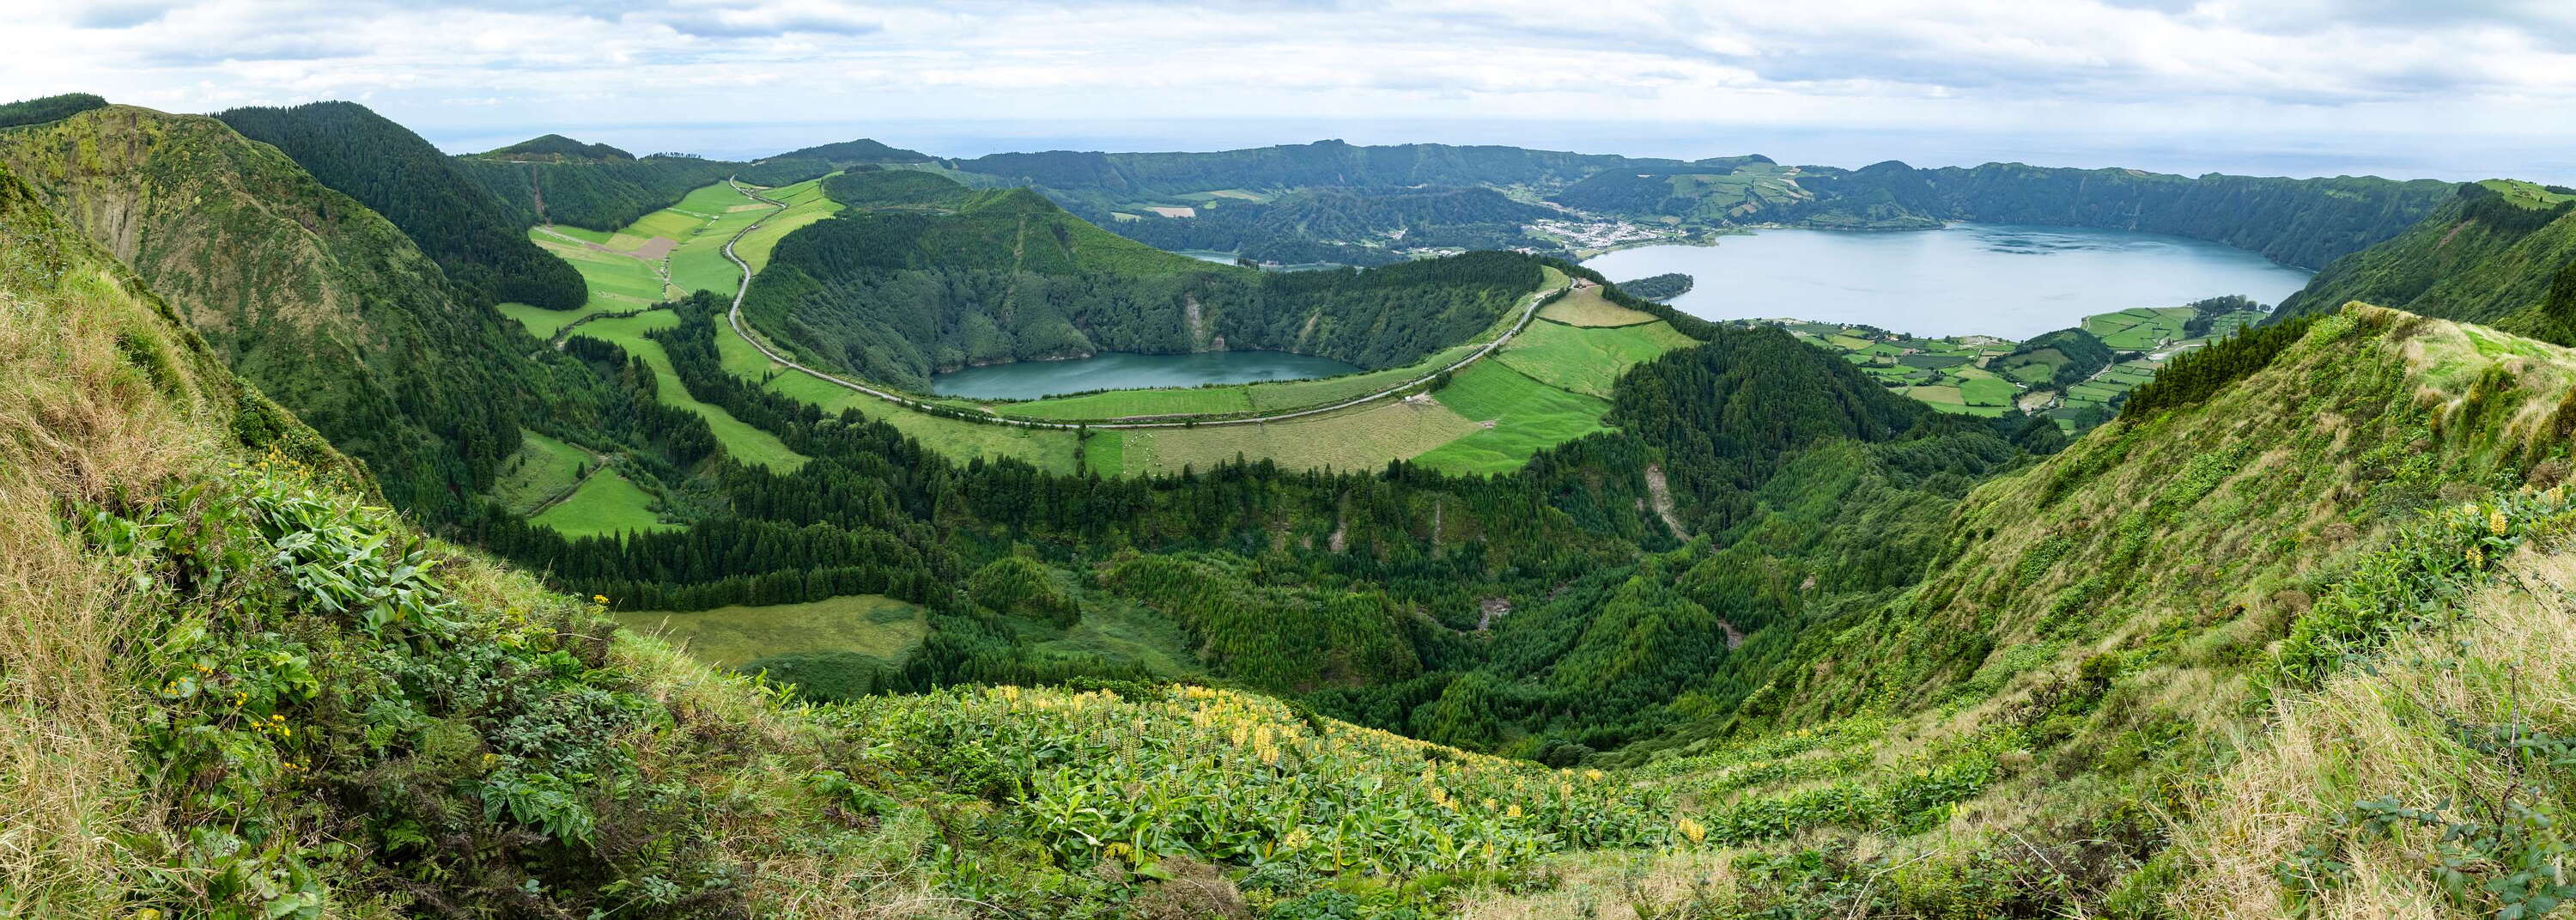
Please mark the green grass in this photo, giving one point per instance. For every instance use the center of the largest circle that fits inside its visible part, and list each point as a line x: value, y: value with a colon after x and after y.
x: 742, y: 441
x: 1529, y: 416
x: 869, y: 624
x: 1988, y: 392
x: 1125, y: 403
x: 1586, y: 306
x: 1361, y: 438
x: 806, y: 204
x: 544, y: 323
x: 1122, y: 632
x: 1587, y: 361
x: 606, y: 504
x: 542, y: 468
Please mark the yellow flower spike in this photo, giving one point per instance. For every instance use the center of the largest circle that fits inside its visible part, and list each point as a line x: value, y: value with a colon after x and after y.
x: 2495, y: 522
x: 1513, y: 812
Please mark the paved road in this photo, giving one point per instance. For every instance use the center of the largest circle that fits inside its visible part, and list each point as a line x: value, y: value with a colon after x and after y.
x: 1528, y: 311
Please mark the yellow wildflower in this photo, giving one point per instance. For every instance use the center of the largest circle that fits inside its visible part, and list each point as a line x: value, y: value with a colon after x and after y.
x: 1691, y: 829
x: 2495, y: 521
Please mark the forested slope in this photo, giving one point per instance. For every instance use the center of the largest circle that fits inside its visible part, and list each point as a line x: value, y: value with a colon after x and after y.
x: 307, y: 293
x: 399, y: 175
x: 895, y: 292
x: 2496, y: 252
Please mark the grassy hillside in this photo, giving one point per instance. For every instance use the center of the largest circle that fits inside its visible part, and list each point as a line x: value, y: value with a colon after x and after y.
x: 318, y: 300
x: 2113, y: 693
x: 2496, y: 252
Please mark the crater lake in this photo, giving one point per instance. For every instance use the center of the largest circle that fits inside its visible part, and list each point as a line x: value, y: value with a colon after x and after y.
x: 1992, y: 279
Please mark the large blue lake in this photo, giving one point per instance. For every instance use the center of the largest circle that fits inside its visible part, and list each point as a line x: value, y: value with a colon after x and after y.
x: 1994, y: 279
x: 1113, y: 370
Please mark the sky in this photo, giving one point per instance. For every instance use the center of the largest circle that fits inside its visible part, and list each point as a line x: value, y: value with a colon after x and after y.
x: 2450, y: 89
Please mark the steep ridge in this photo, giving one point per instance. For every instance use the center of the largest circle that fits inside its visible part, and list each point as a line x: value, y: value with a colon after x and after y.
x: 393, y: 171
x: 308, y: 294
x: 2500, y: 252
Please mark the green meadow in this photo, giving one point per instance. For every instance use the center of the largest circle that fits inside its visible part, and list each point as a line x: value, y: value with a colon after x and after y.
x: 607, y: 504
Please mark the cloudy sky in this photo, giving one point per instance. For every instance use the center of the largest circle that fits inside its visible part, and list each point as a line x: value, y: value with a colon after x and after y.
x: 2448, y: 88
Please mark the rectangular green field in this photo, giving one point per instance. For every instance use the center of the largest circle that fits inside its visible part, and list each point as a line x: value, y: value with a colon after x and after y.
x: 741, y: 441
x: 1215, y: 400
x: 1585, y: 306
x: 1587, y: 361
x: 1988, y: 392
x: 542, y: 469
x: 873, y: 625
x: 1528, y: 416
x: 1941, y: 397
x: 607, y: 504
x: 544, y: 323
x: 1363, y: 438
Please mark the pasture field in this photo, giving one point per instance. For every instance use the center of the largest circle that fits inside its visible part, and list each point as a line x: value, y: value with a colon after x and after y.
x: 1587, y: 361
x: 546, y: 324
x: 624, y: 279
x: 1584, y: 306
x: 1361, y: 438
x: 2139, y: 328
x: 1527, y: 417
x: 806, y: 204
x: 542, y: 469
x: 1211, y: 400
x: 869, y: 624
x: 607, y: 504
x: 742, y: 441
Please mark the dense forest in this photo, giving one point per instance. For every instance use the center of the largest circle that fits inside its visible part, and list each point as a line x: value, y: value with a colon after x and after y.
x: 1659, y: 288
x: 2491, y: 253
x: 48, y: 108
x: 898, y: 294
x: 399, y: 175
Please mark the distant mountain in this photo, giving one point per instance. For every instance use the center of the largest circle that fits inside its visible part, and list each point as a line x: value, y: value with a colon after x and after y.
x: 1323, y: 163
x: 848, y: 153
x: 454, y: 219
x: 556, y: 148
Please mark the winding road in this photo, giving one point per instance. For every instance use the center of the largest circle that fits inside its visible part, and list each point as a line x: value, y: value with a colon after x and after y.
x: 1528, y: 311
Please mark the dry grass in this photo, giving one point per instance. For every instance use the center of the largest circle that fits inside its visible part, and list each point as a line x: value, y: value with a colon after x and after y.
x: 78, y: 421
x: 2366, y: 734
